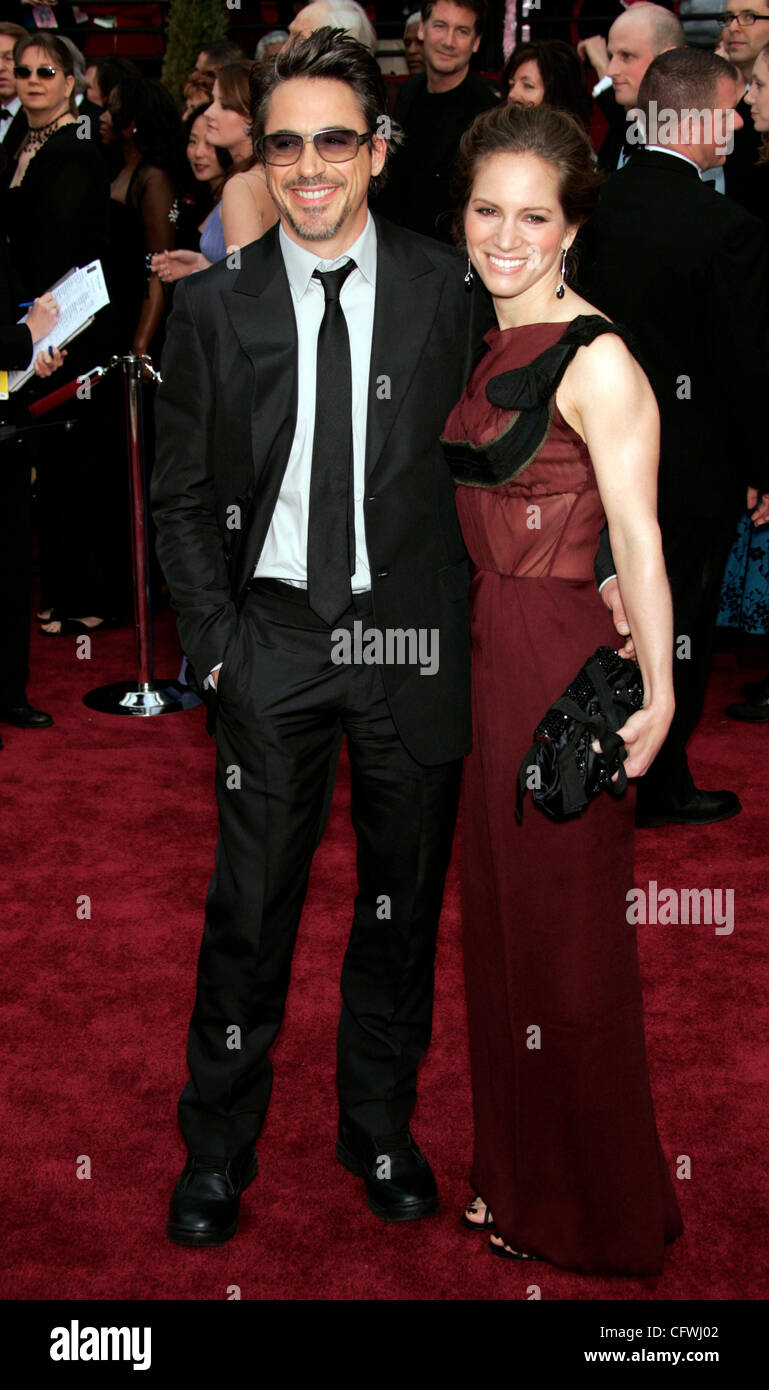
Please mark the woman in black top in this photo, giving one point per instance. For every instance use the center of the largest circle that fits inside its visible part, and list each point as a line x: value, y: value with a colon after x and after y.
x: 56, y: 209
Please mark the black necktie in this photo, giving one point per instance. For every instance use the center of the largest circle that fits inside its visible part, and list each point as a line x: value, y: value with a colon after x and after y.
x: 331, y: 525
x: 5, y: 114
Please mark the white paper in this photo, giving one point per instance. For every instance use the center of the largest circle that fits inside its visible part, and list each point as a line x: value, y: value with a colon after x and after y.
x: 79, y: 294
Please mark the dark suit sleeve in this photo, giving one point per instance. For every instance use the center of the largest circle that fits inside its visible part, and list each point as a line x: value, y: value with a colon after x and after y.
x: 738, y: 306
x: 603, y: 565
x: 189, y: 543
x: 15, y: 347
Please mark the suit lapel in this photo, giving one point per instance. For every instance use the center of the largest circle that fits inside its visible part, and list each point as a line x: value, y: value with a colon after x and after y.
x: 262, y: 315
x: 408, y: 290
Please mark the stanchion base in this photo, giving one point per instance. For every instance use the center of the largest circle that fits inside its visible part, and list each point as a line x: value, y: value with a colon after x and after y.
x: 141, y: 700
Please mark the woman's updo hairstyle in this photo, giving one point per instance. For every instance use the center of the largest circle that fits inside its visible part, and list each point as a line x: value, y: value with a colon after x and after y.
x: 554, y: 136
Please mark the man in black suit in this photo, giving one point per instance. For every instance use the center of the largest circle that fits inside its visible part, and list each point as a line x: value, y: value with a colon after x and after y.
x: 13, y: 122
x: 291, y: 549
x: 687, y: 270
x: 743, y: 37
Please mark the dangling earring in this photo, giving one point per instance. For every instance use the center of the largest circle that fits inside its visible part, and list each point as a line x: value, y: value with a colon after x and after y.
x: 560, y: 292
x: 469, y: 275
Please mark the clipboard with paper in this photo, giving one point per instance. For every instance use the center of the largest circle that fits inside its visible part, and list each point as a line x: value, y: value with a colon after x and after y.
x: 80, y: 294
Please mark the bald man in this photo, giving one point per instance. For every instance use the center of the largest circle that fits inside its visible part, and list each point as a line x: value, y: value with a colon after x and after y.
x: 635, y: 39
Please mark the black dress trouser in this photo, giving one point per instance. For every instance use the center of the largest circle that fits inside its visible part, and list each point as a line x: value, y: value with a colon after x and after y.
x: 695, y: 549
x: 281, y: 705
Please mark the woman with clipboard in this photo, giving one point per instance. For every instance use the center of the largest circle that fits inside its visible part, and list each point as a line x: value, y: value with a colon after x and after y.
x: 16, y: 341
x: 56, y: 206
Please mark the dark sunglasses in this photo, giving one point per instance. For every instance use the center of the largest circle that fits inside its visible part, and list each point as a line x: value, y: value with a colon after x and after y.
x: 333, y: 146
x: 45, y: 73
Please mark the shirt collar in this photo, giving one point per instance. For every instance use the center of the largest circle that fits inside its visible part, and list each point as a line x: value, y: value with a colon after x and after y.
x: 665, y: 149
x: 301, y: 264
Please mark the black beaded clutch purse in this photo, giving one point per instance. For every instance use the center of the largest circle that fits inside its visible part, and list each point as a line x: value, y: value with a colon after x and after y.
x: 561, y: 769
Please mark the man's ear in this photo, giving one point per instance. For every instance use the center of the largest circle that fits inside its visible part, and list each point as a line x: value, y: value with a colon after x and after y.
x: 476, y: 44
x: 378, y: 154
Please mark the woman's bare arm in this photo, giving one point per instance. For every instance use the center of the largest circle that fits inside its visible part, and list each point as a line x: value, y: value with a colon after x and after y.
x: 620, y: 424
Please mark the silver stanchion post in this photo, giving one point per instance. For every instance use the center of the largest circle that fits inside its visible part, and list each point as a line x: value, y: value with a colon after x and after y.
x: 144, y: 695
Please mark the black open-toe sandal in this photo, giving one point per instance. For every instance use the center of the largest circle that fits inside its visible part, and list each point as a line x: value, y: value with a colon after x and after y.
x: 487, y: 1224
x: 506, y: 1254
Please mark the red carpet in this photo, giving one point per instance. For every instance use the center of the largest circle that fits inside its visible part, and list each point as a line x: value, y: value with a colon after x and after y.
x: 96, y: 1009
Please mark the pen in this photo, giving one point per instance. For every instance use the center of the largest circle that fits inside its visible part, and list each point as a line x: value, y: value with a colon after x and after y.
x: 50, y: 349
x: 26, y: 303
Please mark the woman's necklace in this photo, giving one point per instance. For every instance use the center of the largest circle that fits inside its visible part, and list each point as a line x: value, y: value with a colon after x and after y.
x: 33, y: 141
x: 37, y: 136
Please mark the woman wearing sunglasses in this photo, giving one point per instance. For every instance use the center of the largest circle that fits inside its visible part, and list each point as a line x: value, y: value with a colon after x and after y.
x: 55, y: 213
x: 245, y: 210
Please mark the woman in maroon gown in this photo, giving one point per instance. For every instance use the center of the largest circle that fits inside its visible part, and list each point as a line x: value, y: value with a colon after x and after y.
x: 567, y: 1163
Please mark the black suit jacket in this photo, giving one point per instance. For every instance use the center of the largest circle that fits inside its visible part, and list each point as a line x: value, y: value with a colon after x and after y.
x: 614, y: 141
x: 743, y: 176
x: 226, y: 417
x: 687, y: 271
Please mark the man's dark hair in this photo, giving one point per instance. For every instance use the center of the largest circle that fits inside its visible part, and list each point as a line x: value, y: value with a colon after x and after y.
x: 221, y: 52
x: 684, y: 78
x: 329, y: 53
x: 478, y: 7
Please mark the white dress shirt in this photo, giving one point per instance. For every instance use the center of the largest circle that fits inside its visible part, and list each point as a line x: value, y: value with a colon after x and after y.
x: 284, y: 554
x: 12, y: 107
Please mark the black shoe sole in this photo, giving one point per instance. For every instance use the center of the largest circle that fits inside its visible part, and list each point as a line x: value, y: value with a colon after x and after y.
x: 201, y: 1238
x: 656, y: 822
x: 411, y: 1211
x: 181, y: 1236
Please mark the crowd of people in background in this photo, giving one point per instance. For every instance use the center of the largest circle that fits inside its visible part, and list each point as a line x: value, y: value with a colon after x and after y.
x: 157, y: 193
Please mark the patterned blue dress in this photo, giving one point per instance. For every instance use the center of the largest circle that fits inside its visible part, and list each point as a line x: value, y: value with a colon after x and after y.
x: 745, y: 588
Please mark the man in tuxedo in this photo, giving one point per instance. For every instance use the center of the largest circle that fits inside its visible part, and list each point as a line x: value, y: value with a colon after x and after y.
x: 688, y: 272
x: 302, y: 504
x: 13, y: 122
x: 743, y: 36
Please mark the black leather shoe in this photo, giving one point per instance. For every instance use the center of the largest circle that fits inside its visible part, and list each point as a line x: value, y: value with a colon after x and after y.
x: 704, y: 808
x: 205, y: 1202
x: 400, y: 1185
x: 755, y: 692
x: 25, y: 717
x: 754, y: 711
